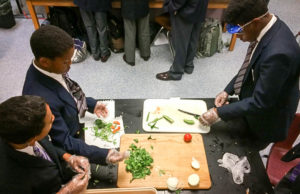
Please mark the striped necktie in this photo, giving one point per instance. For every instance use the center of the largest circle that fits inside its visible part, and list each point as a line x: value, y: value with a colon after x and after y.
x: 41, y: 153
x: 295, y: 173
x: 77, y: 93
x: 241, y: 74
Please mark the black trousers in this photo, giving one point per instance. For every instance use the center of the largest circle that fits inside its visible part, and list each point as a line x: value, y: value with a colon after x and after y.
x: 185, y: 38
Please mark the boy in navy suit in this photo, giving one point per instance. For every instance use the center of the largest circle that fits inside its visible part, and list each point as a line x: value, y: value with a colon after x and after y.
x: 30, y: 163
x: 268, y: 81
x: 47, y: 77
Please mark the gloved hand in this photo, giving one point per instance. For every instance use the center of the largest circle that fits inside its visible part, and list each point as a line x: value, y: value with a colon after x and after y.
x: 100, y: 110
x: 78, y: 184
x: 80, y: 164
x: 114, y: 156
x: 210, y: 117
x: 221, y: 99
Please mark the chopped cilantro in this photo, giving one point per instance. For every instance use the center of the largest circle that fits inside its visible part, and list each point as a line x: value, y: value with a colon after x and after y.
x: 139, y: 162
x: 161, y: 172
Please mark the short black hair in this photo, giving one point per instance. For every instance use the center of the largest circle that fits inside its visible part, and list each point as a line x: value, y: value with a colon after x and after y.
x: 22, y: 118
x: 243, y: 11
x: 50, y: 41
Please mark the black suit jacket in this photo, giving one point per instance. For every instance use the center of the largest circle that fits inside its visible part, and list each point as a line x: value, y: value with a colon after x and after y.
x: 268, y: 101
x: 23, y: 173
x: 134, y: 9
x: 63, y: 106
x: 94, y: 5
x: 192, y: 11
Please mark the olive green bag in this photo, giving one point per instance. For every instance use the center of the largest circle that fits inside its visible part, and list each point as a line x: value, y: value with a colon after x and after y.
x: 210, y: 39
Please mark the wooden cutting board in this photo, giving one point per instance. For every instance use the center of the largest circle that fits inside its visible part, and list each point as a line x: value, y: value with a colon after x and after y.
x: 156, y: 108
x: 170, y: 154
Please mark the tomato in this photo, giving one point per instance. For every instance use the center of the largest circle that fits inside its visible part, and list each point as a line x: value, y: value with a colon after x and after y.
x: 187, y: 137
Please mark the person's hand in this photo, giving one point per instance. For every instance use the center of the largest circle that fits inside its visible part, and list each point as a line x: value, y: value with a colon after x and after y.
x: 210, y: 117
x: 78, y: 184
x: 221, y: 99
x: 114, y: 156
x: 100, y: 110
x: 79, y: 163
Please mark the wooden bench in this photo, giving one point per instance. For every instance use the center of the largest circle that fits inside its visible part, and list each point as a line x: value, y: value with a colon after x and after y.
x: 155, y: 4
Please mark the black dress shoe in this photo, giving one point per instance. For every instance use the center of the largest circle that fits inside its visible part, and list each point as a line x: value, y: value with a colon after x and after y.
x: 105, y: 58
x: 166, y: 76
x: 188, y: 71
x: 129, y: 63
x: 146, y: 58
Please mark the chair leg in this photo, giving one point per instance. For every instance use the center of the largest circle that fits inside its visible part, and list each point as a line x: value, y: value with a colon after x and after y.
x: 232, y: 42
x: 156, y: 36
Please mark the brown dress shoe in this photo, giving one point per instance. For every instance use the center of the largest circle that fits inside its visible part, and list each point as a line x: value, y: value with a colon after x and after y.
x: 105, y: 58
x: 166, y: 76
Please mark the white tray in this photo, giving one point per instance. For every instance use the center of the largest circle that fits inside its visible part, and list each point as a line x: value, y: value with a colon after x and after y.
x: 170, y: 108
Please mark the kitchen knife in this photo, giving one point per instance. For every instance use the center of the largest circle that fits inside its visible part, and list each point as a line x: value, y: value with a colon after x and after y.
x: 189, y: 113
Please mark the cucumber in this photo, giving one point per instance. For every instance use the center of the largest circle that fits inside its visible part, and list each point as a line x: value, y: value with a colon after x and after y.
x: 189, y: 122
x: 168, y: 119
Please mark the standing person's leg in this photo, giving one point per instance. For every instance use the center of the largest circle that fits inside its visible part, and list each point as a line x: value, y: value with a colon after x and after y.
x: 129, y: 46
x: 144, y: 37
x: 90, y: 26
x: 101, y: 21
x: 192, y: 48
x: 180, y: 36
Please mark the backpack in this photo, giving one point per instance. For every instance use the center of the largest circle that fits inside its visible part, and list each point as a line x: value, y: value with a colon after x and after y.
x: 7, y: 19
x: 115, y: 34
x: 68, y: 19
x: 210, y: 39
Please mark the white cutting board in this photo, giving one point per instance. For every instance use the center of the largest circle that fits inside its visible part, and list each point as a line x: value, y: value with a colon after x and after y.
x: 170, y: 108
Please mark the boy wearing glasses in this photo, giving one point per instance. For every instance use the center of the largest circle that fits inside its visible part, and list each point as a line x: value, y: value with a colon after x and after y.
x: 268, y: 81
x: 47, y: 77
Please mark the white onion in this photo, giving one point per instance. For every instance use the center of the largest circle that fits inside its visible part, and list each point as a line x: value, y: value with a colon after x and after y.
x: 172, y: 183
x: 193, y: 179
x: 195, y: 163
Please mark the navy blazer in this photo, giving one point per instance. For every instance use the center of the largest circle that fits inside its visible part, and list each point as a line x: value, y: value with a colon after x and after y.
x: 94, y: 5
x: 23, y: 173
x: 66, y: 122
x: 192, y: 11
x: 268, y: 101
x: 134, y: 9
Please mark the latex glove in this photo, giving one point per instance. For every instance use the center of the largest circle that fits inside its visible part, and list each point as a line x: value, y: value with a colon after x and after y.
x: 78, y: 184
x: 114, y: 156
x: 100, y: 110
x: 237, y: 166
x: 210, y: 117
x: 79, y: 163
x: 221, y: 99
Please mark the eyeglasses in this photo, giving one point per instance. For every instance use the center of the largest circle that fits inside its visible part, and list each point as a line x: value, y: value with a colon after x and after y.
x: 232, y: 28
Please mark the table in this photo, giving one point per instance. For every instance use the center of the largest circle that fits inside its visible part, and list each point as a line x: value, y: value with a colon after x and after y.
x: 216, y: 143
x: 115, y: 4
x: 154, y: 4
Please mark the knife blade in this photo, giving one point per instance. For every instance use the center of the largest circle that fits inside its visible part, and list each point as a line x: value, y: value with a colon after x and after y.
x: 189, y: 113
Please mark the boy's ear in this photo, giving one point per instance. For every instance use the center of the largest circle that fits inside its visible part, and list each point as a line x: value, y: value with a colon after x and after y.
x: 44, y: 62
